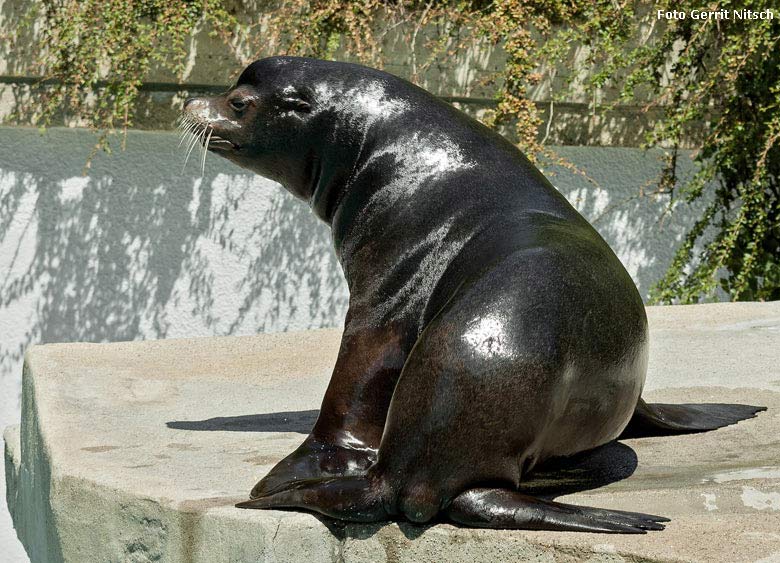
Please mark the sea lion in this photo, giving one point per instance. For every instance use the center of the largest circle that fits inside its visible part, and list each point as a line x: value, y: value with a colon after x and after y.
x: 489, y: 327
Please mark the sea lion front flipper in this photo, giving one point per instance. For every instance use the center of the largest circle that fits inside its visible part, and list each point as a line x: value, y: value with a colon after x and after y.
x: 502, y: 508
x: 658, y: 419
x: 313, y: 460
x: 352, y: 498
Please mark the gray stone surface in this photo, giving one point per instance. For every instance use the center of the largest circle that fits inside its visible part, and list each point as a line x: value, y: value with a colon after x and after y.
x: 137, y: 452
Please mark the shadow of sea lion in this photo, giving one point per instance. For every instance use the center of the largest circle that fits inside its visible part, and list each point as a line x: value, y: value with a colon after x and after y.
x: 291, y: 421
x: 592, y: 469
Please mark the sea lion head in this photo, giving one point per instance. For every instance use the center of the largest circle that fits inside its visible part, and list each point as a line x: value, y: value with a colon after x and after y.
x: 299, y: 121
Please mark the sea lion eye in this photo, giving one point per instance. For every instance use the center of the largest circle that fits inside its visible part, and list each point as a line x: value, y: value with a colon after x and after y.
x: 238, y: 104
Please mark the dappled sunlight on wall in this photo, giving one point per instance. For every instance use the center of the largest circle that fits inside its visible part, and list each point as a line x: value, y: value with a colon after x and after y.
x: 137, y: 249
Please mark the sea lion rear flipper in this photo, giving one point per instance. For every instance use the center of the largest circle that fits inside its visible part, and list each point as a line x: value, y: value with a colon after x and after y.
x: 657, y: 419
x: 502, y: 508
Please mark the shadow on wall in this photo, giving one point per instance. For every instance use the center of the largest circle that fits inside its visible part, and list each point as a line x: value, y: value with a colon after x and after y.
x: 137, y: 249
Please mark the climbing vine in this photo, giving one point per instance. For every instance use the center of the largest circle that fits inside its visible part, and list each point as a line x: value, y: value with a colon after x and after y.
x: 95, y: 54
x: 715, y: 81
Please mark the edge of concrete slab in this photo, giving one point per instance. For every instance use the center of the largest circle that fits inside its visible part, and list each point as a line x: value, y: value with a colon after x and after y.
x: 13, y: 466
x: 62, y: 515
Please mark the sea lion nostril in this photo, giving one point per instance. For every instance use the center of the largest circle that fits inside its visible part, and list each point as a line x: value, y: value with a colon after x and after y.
x: 188, y: 101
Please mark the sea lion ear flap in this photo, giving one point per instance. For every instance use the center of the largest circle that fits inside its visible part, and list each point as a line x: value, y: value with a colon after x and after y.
x: 294, y: 99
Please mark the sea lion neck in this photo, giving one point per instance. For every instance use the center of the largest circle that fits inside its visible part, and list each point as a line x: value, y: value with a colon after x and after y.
x: 328, y: 175
x: 359, y: 114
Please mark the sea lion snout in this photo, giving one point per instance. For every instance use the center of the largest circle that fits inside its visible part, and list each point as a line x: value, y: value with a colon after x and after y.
x: 193, y: 107
x: 221, y: 123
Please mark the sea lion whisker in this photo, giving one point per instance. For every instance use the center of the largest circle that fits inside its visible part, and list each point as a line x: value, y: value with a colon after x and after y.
x: 201, y: 134
x: 184, y: 124
x: 185, y: 130
x: 191, y: 138
x: 194, y: 142
x: 205, y: 152
x: 191, y: 126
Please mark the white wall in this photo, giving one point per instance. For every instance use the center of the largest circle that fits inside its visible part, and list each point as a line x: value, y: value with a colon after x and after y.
x: 139, y: 249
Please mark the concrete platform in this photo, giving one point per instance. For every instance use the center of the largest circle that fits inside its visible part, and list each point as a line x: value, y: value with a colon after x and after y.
x: 137, y: 451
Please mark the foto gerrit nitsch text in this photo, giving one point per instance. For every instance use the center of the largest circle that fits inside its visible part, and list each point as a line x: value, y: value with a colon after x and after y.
x: 722, y: 14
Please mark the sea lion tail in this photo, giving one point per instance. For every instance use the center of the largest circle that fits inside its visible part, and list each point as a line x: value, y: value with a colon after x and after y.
x: 657, y: 419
